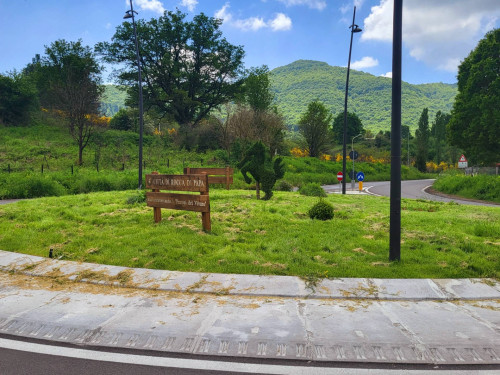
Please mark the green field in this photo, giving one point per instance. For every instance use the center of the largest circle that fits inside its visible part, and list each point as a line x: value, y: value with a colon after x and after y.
x: 40, y: 160
x: 259, y: 237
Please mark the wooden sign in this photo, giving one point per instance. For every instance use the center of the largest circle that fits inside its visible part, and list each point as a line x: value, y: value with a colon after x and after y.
x: 187, y: 202
x: 174, y: 201
x: 182, y: 182
x: 215, y: 175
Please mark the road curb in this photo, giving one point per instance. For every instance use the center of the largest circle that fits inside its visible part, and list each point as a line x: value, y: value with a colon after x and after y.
x: 251, y: 285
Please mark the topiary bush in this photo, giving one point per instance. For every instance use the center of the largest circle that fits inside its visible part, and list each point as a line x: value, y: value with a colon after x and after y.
x: 321, y: 211
x: 283, y: 185
x: 312, y: 189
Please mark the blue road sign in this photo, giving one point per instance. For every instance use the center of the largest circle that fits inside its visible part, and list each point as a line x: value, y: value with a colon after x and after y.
x: 360, y: 176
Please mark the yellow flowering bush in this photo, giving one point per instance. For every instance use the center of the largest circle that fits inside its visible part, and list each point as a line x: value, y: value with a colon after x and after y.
x: 299, y: 153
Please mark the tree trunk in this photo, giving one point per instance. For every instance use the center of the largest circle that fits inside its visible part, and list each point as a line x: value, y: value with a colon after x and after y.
x: 257, y: 189
x: 80, y: 152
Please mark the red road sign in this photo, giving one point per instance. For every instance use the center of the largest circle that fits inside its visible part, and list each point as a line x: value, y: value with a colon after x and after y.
x: 462, y: 158
x: 340, y: 176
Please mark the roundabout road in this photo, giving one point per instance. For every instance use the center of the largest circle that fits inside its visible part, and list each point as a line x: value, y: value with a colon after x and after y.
x: 417, y: 189
x: 413, y: 189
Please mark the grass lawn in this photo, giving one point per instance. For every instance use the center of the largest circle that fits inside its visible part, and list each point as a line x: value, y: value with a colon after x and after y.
x: 260, y: 237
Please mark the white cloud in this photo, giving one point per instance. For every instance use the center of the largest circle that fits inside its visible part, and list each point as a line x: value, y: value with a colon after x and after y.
x: 152, y: 5
x: 387, y: 75
x: 281, y: 22
x: 348, y: 7
x: 251, y: 23
x: 223, y: 13
x: 345, y: 8
x: 358, y: 3
x: 438, y: 33
x: 313, y: 4
x: 365, y: 62
x: 189, y: 4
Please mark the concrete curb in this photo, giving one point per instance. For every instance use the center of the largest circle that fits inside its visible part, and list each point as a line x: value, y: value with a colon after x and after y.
x: 253, y: 285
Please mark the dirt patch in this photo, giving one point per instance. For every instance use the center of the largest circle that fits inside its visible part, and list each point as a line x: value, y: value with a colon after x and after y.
x: 362, y: 251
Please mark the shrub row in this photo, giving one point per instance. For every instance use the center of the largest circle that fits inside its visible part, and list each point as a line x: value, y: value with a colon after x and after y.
x: 34, y: 185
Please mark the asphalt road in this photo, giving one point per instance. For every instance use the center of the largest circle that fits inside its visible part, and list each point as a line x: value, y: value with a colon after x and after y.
x: 415, y: 189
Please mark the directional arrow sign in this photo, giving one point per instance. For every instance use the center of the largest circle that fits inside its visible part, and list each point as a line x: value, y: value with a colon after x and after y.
x: 360, y: 176
x: 353, y: 155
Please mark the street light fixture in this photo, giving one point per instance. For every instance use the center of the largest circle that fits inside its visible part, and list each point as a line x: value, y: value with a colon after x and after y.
x: 130, y: 14
x: 354, y: 29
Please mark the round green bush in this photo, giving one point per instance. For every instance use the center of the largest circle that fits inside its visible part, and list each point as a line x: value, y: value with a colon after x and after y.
x: 283, y: 185
x: 321, y: 211
x: 312, y: 189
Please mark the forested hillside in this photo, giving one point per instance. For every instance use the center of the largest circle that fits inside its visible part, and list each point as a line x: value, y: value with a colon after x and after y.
x: 297, y: 84
x: 112, y: 100
x: 303, y: 81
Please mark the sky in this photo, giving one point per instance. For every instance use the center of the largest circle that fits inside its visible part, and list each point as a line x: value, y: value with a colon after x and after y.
x: 437, y: 34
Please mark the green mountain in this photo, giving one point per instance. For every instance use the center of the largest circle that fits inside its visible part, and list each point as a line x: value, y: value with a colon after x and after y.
x: 297, y: 84
x: 112, y: 100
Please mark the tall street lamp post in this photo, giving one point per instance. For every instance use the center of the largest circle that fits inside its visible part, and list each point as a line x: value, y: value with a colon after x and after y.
x: 130, y: 14
x: 395, y: 199
x: 354, y: 29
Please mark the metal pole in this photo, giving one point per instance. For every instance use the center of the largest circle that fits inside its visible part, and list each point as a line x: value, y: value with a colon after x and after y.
x: 353, y: 181
x: 141, y: 108
x: 344, y: 155
x: 408, y: 147
x: 395, y: 199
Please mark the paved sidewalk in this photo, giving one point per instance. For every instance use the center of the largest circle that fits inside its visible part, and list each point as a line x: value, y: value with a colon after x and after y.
x: 418, y: 321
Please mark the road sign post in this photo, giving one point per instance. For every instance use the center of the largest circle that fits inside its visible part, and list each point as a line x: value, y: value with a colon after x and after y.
x: 360, y: 176
x: 462, y: 162
x: 340, y: 177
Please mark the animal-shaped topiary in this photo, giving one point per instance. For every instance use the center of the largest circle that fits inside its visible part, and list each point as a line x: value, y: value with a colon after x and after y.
x: 258, y: 162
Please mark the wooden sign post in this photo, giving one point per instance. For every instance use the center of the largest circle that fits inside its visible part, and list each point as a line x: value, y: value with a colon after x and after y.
x: 175, y: 201
x: 215, y: 175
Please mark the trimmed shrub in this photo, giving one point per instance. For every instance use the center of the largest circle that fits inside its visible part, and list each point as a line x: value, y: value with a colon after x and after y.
x: 321, y: 211
x: 312, y: 189
x: 283, y: 185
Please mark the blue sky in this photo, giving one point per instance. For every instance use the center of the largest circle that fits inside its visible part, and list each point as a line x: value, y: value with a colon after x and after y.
x: 437, y: 35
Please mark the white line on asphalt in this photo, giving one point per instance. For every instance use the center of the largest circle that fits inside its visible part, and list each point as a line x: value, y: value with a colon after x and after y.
x: 205, y: 365
x: 425, y: 188
x: 367, y: 189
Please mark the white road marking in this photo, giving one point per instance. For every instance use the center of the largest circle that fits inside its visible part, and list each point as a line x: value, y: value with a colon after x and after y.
x: 199, y: 364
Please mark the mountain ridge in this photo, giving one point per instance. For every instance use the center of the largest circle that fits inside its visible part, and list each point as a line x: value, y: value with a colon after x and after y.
x: 297, y: 84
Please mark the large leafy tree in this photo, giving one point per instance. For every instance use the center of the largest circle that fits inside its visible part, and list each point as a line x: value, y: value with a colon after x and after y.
x: 438, y: 133
x: 354, y: 127
x: 257, y: 89
x: 68, y: 78
x: 475, y: 121
x: 189, y: 68
x: 422, y: 140
x: 17, y: 99
x: 314, y: 125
